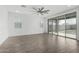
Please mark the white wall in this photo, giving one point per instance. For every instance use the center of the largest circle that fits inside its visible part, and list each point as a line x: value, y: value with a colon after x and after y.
x: 3, y: 24
x: 30, y: 24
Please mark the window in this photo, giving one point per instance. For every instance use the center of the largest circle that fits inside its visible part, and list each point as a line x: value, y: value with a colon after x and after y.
x: 64, y: 25
x: 61, y: 27
x: 71, y: 28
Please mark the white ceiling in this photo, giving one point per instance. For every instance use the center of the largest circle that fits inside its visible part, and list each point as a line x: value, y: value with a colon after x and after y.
x: 28, y: 9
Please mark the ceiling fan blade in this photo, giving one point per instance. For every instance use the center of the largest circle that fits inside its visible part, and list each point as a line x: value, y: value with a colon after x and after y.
x: 42, y: 8
x: 46, y: 10
x: 35, y: 9
x: 39, y: 9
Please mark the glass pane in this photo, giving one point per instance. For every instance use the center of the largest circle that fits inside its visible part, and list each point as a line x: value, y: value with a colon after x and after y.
x: 54, y: 27
x: 50, y: 26
x: 61, y: 27
x: 71, y: 28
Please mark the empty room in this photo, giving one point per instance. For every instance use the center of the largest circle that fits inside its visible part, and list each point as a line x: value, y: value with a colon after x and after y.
x: 39, y: 29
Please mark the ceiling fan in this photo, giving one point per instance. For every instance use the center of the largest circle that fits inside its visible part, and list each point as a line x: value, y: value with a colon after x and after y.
x: 41, y: 10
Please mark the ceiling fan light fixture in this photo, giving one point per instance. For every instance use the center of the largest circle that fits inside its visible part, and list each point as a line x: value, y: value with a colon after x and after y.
x: 41, y: 10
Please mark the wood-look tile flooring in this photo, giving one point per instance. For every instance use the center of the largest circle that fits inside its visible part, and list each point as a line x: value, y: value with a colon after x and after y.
x: 40, y: 43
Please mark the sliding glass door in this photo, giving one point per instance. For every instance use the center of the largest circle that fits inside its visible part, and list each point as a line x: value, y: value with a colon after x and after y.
x: 64, y: 26
x: 54, y: 27
x: 71, y: 28
x: 50, y: 26
x: 61, y: 27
